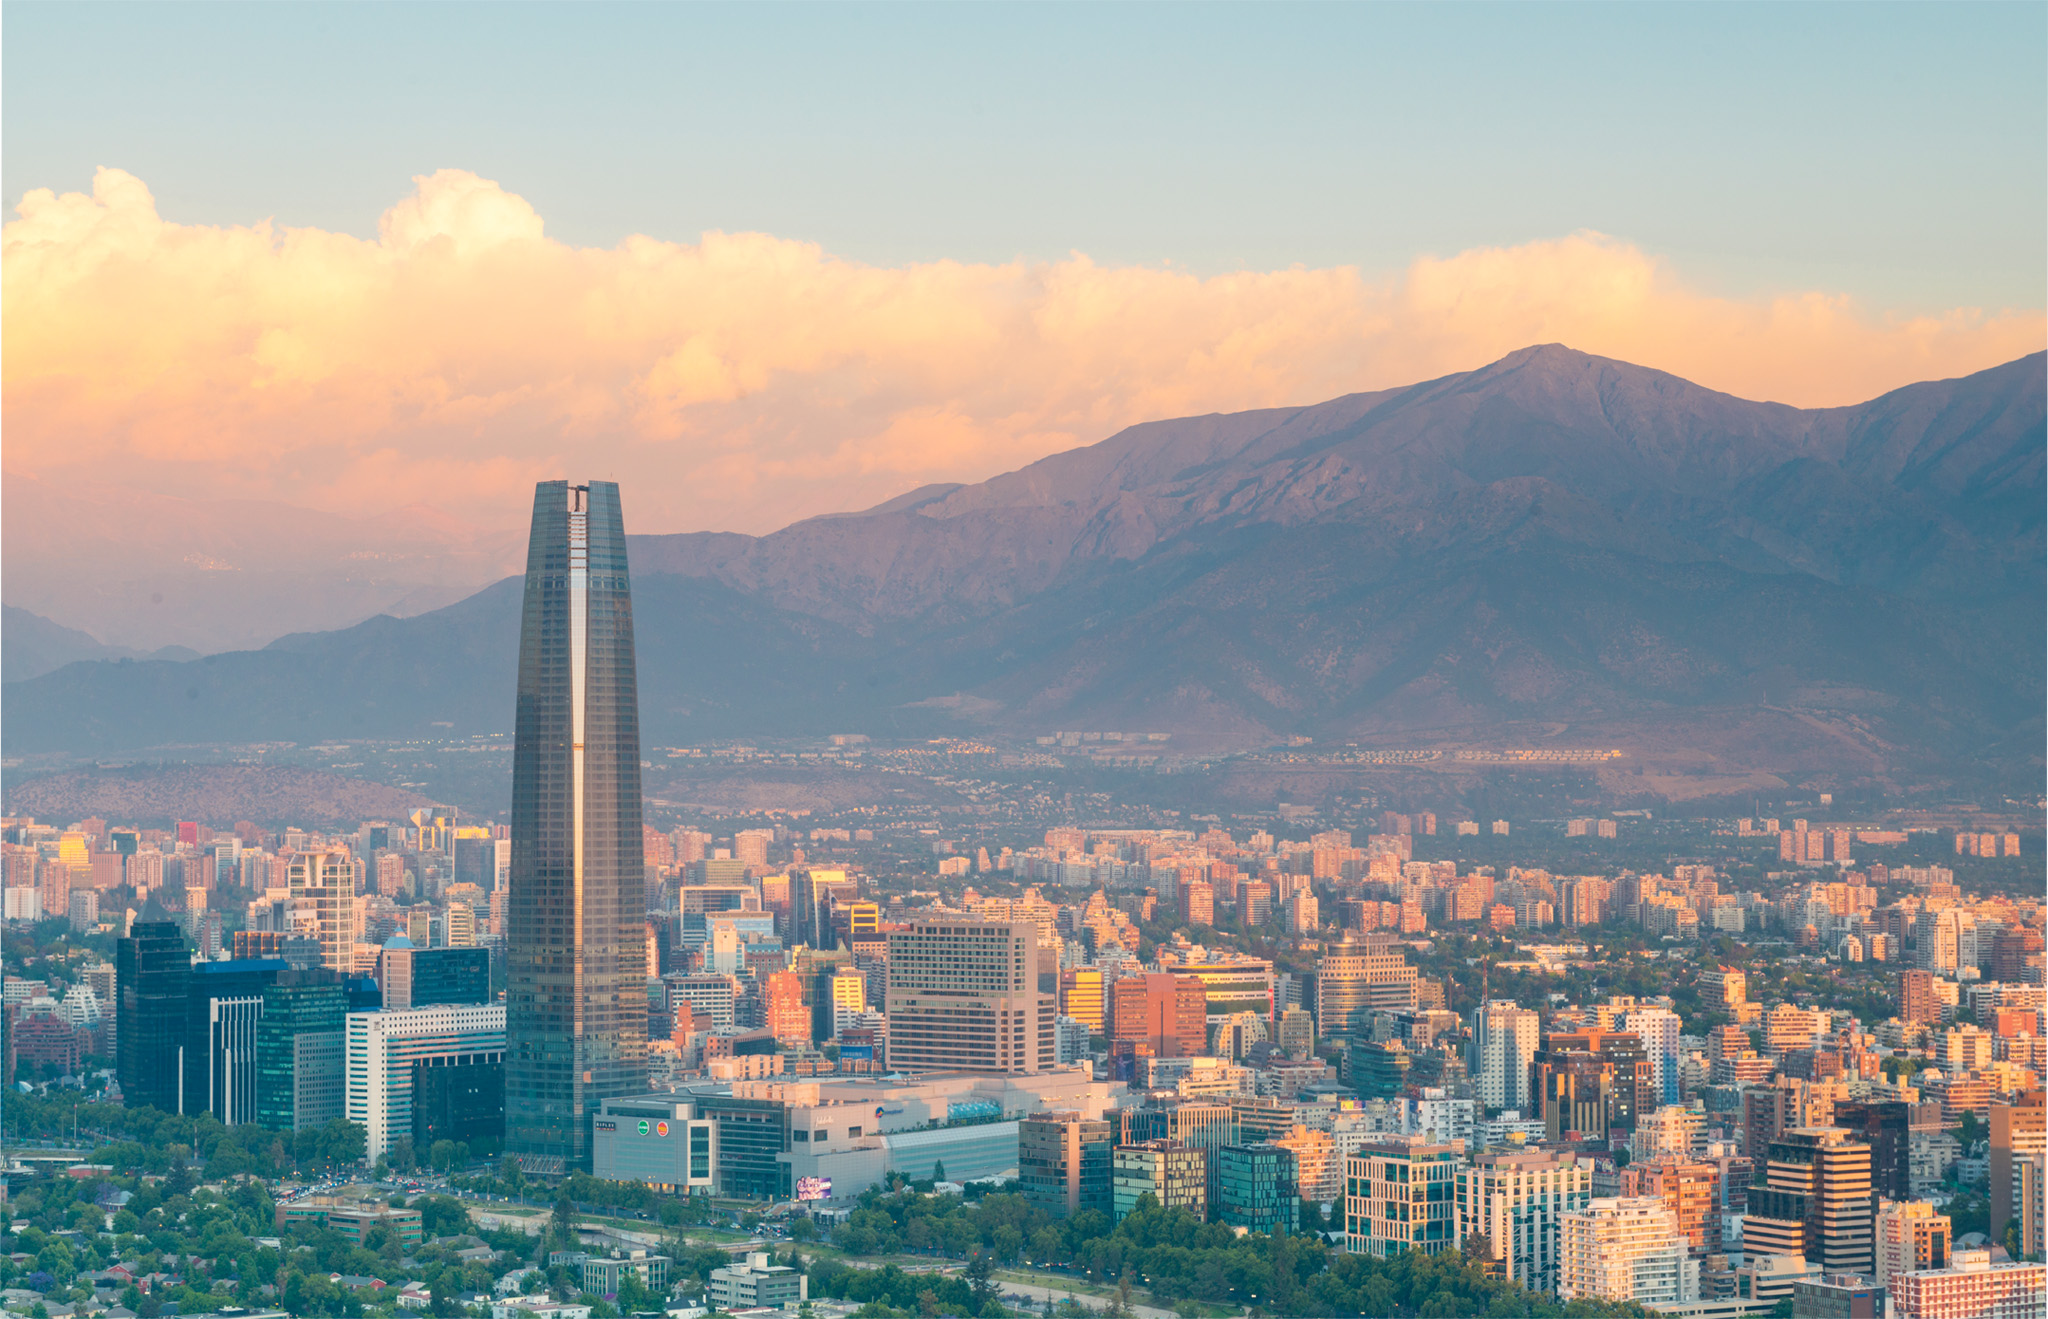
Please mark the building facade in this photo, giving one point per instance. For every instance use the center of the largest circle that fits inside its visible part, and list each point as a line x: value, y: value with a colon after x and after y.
x: 576, y: 1019
x: 1064, y: 1161
x: 1174, y: 1174
x: 151, y: 967
x: 426, y: 1074
x: 1625, y: 1249
x: 1400, y: 1195
x: 1518, y: 1201
x: 968, y: 995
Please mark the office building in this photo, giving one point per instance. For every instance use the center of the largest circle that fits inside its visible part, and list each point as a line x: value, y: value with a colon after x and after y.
x: 1910, y: 1235
x: 425, y: 1074
x: 1885, y: 1126
x: 1837, y: 1296
x: 576, y: 1012
x: 1811, y: 1196
x: 151, y: 968
x: 1318, y: 1167
x: 1517, y: 1201
x: 224, y: 1004
x: 1166, y: 1013
x: 1257, y: 1188
x: 969, y: 995
x: 1401, y: 1194
x: 1505, y: 1045
x: 1356, y: 978
x: 1591, y: 1083
x: 1082, y: 998
x: 1657, y: 1029
x: 707, y: 995
x: 411, y: 977
x: 1625, y: 1249
x: 325, y: 882
x: 659, y: 1141
x: 1204, y: 1126
x: 300, y: 1052
x: 1972, y: 1287
x: 1173, y: 1174
x: 757, y: 1285
x: 1064, y: 1161
x: 2019, y: 1145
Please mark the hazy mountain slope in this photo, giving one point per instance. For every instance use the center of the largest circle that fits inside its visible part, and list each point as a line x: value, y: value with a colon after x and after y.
x: 1553, y: 537
x: 31, y: 645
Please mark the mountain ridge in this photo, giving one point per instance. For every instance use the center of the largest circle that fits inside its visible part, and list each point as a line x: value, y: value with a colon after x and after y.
x: 1552, y: 537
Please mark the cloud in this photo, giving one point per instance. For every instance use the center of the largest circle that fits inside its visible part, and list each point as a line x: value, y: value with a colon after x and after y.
x: 745, y: 380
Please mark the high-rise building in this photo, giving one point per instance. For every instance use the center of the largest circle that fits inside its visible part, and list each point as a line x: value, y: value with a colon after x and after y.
x: 301, y: 1056
x: 1064, y: 1162
x: 1174, y: 1174
x: 1592, y: 1082
x: 1886, y: 1126
x: 1400, y: 1194
x: 151, y: 968
x: 325, y: 882
x: 412, y: 977
x: 425, y: 1074
x: 1353, y: 979
x: 1257, y: 1187
x: 1657, y: 1028
x: 1167, y: 1013
x: 1910, y: 1235
x: 1517, y: 1201
x: 1811, y: 1196
x: 1506, y: 1045
x: 1625, y: 1249
x: 1081, y: 997
x: 783, y: 1010
x: 969, y: 995
x: 2019, y: 1141
x: 576, y: 1013
x: 224, y: 1005
x: 1917, y: 1003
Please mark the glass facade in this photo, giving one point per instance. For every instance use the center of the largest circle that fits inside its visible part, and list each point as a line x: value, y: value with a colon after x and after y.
x: 300, y: 1060
x: 576, y: 1002
x: 223, y: 1009
x: 151, y: 968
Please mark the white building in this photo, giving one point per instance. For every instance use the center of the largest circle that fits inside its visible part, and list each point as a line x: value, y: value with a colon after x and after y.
x: 1658, y: 1029
x: 1506, y: 1046
x: 1625, y: 1249
x: 384, y: 1047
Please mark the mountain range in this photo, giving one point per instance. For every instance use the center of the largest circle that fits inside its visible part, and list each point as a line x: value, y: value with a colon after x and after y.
x: 1555, y: 549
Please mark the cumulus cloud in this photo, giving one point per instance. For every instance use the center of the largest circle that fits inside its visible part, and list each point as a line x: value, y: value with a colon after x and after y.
x: 745, y: 380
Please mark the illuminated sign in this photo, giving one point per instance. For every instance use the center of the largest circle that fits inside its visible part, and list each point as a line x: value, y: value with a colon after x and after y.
x: 814, y: 1188
x: 643, y: 1128
x: 661, y: 1128
x: 606, y: 1124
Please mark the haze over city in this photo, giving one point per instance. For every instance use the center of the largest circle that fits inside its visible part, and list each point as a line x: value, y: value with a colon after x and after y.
x: 862, y: 661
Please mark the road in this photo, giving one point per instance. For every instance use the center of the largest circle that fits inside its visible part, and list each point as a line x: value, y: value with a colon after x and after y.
x: 1040, y: 1294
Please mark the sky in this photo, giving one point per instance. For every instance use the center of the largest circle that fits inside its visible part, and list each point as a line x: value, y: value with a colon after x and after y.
x: 773, y: 260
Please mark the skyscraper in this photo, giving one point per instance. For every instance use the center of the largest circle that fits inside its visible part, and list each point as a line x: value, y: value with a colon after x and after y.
x: 327, y: 881
x: 576, y: 1016
x: 151, y: 967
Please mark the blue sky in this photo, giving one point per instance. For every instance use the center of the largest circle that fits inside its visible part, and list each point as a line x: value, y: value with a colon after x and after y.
x: 1895, y: 153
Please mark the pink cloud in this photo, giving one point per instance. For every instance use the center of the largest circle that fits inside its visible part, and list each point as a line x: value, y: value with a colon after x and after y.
x: 745, y: 380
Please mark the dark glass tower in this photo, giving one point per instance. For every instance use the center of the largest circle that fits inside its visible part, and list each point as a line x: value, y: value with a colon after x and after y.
x: 151, y: 968
x: 576, y: 1004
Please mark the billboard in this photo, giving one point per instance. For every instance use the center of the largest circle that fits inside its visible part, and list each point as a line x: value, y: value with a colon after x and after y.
x: 814, y: 1188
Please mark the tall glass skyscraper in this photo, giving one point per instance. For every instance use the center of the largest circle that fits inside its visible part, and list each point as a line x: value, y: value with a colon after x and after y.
x: 576, y: 1006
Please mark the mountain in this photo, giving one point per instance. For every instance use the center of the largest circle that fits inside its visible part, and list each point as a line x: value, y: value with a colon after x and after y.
x: 31, y: 645
x: 1555, y: 546
x: 159, y: 795
x: 141, y: 570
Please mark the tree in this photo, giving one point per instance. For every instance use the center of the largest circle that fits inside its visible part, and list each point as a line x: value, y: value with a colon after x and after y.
x: 804, y: 1229
x: 981, y: 1278
x: 938, y: 1170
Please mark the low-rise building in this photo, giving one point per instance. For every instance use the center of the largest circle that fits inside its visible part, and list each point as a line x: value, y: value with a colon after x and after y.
x: 756, y: 1284
x: 1972, y: 1287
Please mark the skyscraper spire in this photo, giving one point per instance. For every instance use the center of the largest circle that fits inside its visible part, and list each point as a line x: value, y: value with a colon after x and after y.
x: 576, y: 1015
